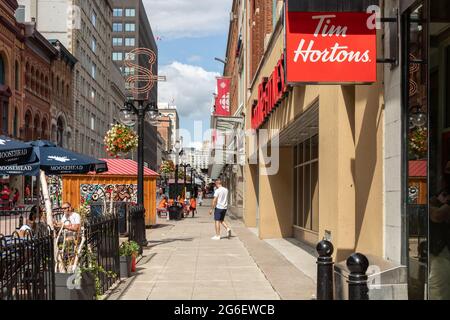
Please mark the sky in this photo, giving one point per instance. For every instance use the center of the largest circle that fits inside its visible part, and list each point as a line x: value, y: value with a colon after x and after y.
x: 190, y: 34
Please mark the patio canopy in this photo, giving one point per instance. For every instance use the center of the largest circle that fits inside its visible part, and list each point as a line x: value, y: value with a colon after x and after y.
x: 14, y: 152
x: 124, y: 167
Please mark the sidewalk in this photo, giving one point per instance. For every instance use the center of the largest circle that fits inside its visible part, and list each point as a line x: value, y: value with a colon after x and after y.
x: 183, y: 263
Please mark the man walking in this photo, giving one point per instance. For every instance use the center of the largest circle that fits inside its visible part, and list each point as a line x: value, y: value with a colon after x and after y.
x: 219, y: 207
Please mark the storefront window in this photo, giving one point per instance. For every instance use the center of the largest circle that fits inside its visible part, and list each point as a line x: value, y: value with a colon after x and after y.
x: 306, y: 194
x: 428, y: 149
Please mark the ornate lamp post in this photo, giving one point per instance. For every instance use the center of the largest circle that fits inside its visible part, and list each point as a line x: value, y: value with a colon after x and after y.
x: 140, y: 84
x: 178, y: 150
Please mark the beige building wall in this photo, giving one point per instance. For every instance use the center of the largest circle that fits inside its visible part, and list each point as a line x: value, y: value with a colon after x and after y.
x: 350, y: 163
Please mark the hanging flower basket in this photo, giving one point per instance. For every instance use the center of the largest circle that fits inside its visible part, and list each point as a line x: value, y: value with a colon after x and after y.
x: 418, y: 143
x: 167, y: 167
x: 120, y: 139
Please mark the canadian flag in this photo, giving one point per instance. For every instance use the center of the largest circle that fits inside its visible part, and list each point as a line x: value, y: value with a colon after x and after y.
x: 223, y: 97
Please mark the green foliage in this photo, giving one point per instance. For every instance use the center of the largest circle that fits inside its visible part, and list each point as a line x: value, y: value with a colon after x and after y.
x: 93, y: 268
x: 128, y: 249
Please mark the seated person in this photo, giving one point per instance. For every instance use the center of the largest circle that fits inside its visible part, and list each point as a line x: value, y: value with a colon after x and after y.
x: 71, y: 220
x: 30, y: 226
x: 162, y: 206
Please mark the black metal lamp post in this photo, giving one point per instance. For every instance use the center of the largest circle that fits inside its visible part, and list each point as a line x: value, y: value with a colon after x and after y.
x: 185, y: 166
x: 193, y: 183
x: 128, y: 114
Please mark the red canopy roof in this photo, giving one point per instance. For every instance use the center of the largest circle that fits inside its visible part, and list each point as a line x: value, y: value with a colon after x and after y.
x: 121, y: 167
x: 418, y: 168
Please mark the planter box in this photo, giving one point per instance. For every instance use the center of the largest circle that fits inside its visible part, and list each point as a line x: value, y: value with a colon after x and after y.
x: 125, y: 267
x: 66, y: 288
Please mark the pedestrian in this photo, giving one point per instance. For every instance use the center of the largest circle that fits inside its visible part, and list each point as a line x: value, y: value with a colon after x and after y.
x: 200, y: 197
x: 193, y: 206
x: 220, y: 207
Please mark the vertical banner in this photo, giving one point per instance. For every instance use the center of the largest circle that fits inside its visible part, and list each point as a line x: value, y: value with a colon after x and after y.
x: 223, y: 97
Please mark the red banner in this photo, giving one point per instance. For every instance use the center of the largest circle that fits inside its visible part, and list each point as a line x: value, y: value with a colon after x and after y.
x: 223, y: 97
x: 330, y: 47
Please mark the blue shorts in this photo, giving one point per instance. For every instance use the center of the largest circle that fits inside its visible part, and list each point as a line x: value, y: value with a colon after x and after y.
x: 219, y: 214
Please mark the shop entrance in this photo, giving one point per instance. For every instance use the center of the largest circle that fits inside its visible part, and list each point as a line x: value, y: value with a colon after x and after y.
x: 427, y: 148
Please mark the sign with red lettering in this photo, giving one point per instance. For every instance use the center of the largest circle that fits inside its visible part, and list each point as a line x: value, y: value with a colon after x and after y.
x: 330, y: 47
x: 223, y: 97
x: 271, y: 92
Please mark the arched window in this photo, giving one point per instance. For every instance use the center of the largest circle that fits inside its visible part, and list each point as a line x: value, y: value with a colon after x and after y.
x: 57, y: 85
x: 60, y: 132
x: 27, y: 75
x: 27, y: 126
x: 16, y: 123
x: 33, y: 79
x: 17, y: 76
x: 37, y: 127
x: 2, y: 71
x: 44, y: 128
x: 47, y: 88
x: 42, y: 92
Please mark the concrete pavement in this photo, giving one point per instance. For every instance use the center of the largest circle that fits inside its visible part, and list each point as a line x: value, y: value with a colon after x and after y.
x: 183, y: 263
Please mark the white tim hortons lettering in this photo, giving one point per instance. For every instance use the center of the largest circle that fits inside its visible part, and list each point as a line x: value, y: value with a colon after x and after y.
x: 325, y: 28
x: 337, y: 53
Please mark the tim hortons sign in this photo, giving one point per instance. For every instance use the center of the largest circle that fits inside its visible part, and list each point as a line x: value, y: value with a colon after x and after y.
x: 330, y: 47
x: 271, y: 92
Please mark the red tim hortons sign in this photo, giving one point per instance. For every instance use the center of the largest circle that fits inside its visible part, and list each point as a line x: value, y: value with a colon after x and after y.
x: 271, y: 92
x: 330, y: 47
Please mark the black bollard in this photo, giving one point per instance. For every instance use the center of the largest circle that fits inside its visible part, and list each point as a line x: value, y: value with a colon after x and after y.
x: 358, y: 289
x: 325, y: 263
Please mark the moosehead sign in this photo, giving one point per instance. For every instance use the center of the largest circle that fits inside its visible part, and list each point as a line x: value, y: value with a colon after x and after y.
x: 330, y: 47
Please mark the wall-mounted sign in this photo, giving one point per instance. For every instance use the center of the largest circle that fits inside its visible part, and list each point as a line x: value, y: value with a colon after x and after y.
x: 271, y: 92
x: 330, y: 47
x: 222, y: 103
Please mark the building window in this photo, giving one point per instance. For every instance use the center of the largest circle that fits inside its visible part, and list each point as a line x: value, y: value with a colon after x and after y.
x: 130, y: 42
x: 130, y: 12
x: 94, y: 19
x: 117, y: 27
x: 117, y: 42
x: 94, y: 71
x: 94, y: 45
x: 118, y: 12
x: 306, y: 184
x: 130, y: 27
x: 117, y: 56
x: 2, y: 71
x: 17, y: 76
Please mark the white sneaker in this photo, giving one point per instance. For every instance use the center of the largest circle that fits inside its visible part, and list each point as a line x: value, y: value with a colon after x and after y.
x: 215, y: 238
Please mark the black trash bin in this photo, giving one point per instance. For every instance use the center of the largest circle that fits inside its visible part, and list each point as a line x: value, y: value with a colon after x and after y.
x: 174, y: 213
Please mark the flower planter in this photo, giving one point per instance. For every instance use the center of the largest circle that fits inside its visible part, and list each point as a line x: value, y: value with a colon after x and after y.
x: 125, y: 267
x: 133, y: 263
x: 68, y: 287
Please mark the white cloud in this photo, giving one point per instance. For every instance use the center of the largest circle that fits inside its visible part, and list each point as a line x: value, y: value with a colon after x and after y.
x: 194, y: 58
x: 191, y: 88
x: 188, y: 18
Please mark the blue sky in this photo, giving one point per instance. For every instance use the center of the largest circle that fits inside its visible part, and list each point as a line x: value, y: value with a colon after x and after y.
x: 190, y: 34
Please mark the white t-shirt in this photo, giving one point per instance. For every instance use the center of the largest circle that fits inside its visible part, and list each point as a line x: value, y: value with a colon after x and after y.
x: 74, y: 218
x: 222, y: 198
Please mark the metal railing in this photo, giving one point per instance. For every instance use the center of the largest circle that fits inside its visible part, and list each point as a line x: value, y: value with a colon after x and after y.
x: 102, y: 240
x: 27, y: 267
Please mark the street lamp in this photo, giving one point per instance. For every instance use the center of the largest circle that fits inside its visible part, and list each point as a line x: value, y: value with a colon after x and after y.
x: 178, y: 150
x: 132, y: 112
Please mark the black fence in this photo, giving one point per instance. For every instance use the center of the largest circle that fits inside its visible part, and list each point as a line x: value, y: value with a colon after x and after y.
x: 102, y: 240
x: 120, y: 209
x: 27, y: 267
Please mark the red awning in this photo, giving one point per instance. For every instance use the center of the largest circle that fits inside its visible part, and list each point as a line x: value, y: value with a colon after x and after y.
x: 125, y: 167
x: 418, y: 169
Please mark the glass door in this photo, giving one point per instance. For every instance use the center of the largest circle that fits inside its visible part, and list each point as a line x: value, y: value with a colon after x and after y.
x: 416, y: 155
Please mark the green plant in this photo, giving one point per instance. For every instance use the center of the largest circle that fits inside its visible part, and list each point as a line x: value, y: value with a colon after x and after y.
x: 93, y: 268
x: 135, y: 248
x: 128, y: 249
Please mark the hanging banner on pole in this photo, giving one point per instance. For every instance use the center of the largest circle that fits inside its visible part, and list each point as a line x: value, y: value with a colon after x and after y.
x: 222, y: 101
